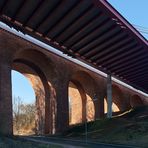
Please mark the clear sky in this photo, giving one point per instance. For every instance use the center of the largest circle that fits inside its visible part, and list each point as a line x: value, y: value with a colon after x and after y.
x: 22, y: 87
x: 135, y: 11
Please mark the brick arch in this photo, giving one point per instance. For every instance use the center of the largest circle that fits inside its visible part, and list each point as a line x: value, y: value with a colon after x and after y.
x: 136, y: 101
x: 117, y: 97
x: 39, y: 90
x: 38, y: 58
x: 89, y: 86
x: 31, y: 64
x: 77, y: 103
x: 118, y: 101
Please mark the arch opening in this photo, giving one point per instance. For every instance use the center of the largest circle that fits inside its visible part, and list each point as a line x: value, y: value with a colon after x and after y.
x: 81, y: 97
x: 37, y: 83
x: 24, y: 108
x: 32, y: 64
x: 115, y: 108
x: 118, y: 104
x: 75, y: 104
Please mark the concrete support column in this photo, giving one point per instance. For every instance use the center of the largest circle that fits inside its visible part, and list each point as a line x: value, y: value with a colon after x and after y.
x: 6, y: 126
x: 109, y: 96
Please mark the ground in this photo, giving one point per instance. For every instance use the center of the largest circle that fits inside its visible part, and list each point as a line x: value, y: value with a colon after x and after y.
x: 6, y: 142
x: 131, y: 128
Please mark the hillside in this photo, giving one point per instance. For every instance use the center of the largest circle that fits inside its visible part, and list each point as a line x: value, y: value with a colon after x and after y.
x: 129, y: 128
x: 13, y: 142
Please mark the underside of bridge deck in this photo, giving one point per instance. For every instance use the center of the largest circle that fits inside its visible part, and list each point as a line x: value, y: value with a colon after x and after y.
x: 89, y: 30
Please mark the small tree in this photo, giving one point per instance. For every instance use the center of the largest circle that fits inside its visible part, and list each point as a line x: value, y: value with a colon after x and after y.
x: 17, y: 102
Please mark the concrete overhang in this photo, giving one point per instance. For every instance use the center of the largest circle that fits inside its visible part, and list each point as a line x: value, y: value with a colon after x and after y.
x: 89, y: 30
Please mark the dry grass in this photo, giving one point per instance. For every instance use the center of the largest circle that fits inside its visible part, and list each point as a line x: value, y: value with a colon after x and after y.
x: 130, y: 128
x: 25, y: 130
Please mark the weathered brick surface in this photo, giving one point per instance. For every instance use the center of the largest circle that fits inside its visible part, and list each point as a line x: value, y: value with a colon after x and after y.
x: 81, y: 105
x: 50, y: 75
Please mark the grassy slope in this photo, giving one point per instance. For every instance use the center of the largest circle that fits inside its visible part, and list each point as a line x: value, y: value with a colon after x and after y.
x: 13, y: 143
x: 130, y: 128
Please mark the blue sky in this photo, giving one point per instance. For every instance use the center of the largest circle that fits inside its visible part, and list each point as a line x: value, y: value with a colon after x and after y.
x: 22, y: 87
x: 135, y: 11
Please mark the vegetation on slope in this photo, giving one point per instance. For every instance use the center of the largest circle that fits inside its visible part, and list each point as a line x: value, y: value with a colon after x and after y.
x: 17, y: 143
x: 129, y: 128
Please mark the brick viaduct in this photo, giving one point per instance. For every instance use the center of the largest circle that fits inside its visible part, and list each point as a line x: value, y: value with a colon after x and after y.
x: 51, y: 76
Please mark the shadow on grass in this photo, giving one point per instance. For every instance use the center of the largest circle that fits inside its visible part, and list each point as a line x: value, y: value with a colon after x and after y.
x: 12, y: 142
x: 129, y: 128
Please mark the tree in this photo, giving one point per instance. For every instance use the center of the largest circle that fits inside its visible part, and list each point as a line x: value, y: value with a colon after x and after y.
x: 17, y: 102
x: 23, y: 116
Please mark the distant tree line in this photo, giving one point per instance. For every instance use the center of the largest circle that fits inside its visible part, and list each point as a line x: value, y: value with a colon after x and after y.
x: 23, y: 117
